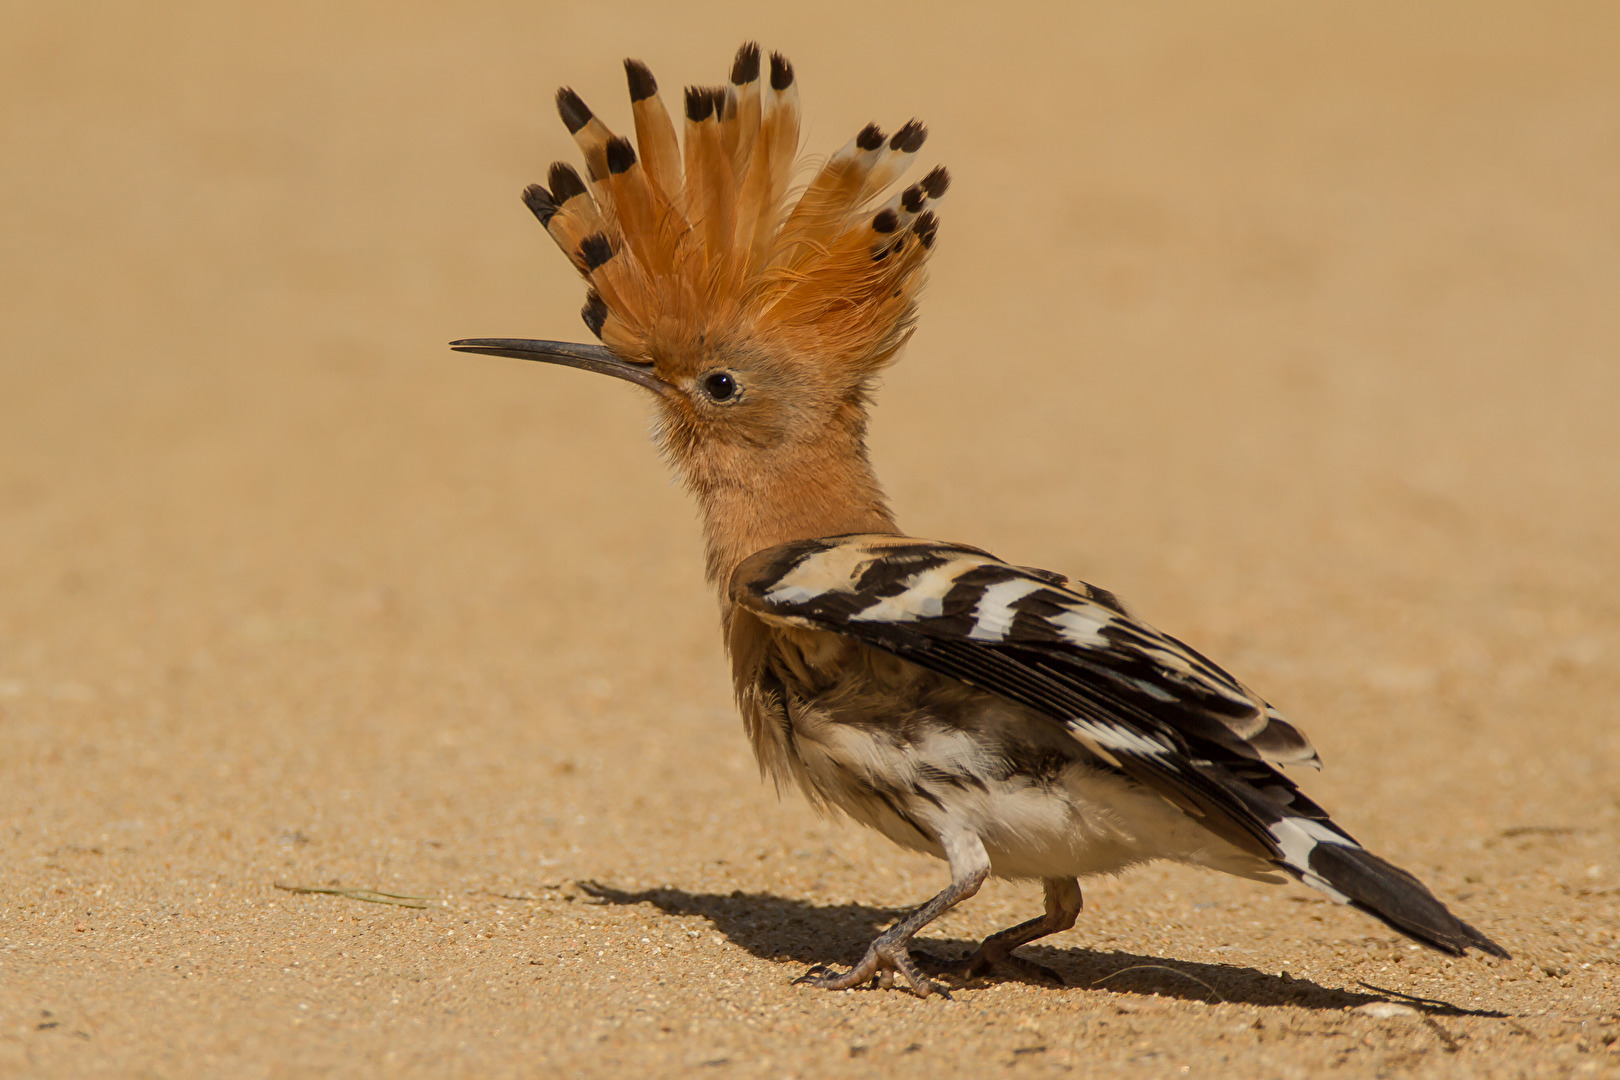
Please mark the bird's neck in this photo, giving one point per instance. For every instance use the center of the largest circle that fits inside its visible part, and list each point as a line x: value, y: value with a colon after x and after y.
x: 750, y: 503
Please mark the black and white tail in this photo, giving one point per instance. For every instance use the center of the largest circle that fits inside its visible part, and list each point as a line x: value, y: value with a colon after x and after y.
x: 1323, y: 857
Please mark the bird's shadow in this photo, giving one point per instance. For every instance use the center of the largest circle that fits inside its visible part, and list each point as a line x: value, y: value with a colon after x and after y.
x: 777, y: 928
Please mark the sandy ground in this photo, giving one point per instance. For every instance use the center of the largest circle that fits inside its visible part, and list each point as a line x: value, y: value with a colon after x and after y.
x: 1298, y: 331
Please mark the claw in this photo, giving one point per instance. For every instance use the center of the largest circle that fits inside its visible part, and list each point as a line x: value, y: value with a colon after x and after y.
x: 882, y: 962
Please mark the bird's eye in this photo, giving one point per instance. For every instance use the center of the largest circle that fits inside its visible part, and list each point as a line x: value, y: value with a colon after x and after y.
x: 720, y: 385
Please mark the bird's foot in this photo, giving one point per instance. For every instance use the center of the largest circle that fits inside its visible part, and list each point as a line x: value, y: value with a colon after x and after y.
x: 885, y: 958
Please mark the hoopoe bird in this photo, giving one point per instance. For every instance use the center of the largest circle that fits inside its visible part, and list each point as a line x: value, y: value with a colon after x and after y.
x: 1002, y: 718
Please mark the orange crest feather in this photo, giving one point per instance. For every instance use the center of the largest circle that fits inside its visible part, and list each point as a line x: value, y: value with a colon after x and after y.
x: 683, y: 245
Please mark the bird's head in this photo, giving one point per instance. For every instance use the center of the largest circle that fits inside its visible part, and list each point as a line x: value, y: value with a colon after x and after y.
x: 757, y: 320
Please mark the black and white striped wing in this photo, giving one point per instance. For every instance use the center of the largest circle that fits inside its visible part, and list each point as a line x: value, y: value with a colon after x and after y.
x: 1138, y: 699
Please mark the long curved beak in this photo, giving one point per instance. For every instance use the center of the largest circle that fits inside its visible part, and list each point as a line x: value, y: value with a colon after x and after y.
x: 585, y: 357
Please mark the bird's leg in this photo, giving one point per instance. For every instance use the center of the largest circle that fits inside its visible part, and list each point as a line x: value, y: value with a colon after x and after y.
x: 889, y: 954
x: 1063, y: 904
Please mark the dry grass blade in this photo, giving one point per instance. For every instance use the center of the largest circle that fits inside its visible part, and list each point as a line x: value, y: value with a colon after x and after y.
x: 370, y: 896
x: 1161, y: 967
x: 518, y: 896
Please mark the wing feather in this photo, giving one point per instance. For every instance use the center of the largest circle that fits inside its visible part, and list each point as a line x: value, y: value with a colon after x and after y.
x: 1137, y: 698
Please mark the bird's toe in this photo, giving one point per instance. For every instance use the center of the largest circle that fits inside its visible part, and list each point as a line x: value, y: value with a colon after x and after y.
x: 884, y: 962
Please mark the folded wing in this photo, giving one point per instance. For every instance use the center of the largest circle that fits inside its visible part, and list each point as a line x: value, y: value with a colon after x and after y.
x: 1141, y: 700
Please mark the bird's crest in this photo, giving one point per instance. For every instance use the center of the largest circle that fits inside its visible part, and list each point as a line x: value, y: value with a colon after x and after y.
x: 687, y: 244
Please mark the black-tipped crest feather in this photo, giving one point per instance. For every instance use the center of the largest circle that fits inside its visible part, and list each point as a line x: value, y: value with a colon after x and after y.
x: 781, y: 72
x: 910, y: 138
x: 595, y: 250
x: 640, y: 78
x: 540, y: 203
x: 565, y: 182
x: 595, y: 313
x: 575, y: 115
x: 620, y: 154
x: 870, y: 138
x: 926, y: 226
x: 745, y: 68
x: 699, y: 103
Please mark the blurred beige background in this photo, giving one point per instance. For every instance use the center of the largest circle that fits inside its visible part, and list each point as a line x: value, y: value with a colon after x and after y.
x: 1296, y: 326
